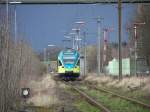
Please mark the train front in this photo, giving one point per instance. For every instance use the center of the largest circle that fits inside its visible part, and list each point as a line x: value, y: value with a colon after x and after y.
x: 69, y: 64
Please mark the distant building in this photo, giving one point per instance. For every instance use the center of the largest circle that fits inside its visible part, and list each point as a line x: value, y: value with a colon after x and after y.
x: 113, y: 67
x: 128, y: 62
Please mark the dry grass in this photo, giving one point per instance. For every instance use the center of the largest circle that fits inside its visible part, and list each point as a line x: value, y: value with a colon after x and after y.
x: 43, y: 92
x: 127, y: 83
x: 147, y: 86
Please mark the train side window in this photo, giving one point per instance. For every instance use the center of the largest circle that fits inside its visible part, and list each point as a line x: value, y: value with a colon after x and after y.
x: 60, y: 64
x: 78, y: 63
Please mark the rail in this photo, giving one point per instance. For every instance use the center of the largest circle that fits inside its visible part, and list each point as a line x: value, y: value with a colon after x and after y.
x: 88, y: 98
x: 121, y: 96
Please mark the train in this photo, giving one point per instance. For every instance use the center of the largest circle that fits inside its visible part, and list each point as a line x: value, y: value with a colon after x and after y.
x: 68, y: 64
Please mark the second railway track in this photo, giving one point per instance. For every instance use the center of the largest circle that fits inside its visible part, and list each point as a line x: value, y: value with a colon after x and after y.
x: 136, y: 102
x: 104, y: 106
x: 121, y: 96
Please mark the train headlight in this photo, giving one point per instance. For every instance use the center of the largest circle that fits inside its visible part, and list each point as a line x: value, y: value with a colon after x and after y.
x: 25, y: 92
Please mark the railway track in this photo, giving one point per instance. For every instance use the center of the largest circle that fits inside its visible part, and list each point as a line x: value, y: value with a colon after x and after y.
x: 135, y: 101
x: 88, y: 98
x: 99, y: 102
x: 76, y: 85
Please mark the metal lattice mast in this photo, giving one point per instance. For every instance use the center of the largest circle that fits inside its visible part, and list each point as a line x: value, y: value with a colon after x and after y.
x: 136, y: 24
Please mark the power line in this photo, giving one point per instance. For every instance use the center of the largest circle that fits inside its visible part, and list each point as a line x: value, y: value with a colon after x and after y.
x: 77, y: 1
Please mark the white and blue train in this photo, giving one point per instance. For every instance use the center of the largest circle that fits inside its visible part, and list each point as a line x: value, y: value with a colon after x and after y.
x: 69, y: 63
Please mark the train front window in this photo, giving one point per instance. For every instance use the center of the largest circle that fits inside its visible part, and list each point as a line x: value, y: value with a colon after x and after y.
x: 69, y: 61
x: 78, y: 63
x: 59, y: 63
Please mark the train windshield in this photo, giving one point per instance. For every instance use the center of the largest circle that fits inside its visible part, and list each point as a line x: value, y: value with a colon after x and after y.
x: 69, y: 59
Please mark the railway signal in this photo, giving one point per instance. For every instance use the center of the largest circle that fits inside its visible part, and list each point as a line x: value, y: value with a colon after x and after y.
x: 25, y: 92
x: 106, y: 36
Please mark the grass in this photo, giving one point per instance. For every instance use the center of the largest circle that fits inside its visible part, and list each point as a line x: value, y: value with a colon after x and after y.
x: 134, y: 87
x: 139, y: 95
x: 83, y: 106
x: 43, y: 110
x: 115, y: 104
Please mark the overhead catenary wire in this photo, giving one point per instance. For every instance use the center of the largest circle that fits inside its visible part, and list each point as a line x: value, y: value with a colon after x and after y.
x: 78, y: 1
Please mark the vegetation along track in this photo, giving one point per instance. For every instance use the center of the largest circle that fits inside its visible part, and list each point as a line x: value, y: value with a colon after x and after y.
x: 120, y: 96
x: 114, y: 101
x: 88, y: 98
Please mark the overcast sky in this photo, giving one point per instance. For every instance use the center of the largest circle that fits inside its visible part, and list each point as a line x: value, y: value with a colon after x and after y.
x: 47, y: 24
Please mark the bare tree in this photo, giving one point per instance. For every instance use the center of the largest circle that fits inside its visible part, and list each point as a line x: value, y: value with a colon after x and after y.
x: 91, y: 58
x: 18, y: 62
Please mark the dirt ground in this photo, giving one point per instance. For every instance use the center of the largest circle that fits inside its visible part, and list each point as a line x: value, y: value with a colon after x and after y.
x: 46, y: 92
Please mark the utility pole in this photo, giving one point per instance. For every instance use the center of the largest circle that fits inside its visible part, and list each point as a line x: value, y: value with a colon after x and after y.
x: 84, y: 43
x: 15, y: 24
x: 135, y: 47
x: 15, y: 17
x: 98, y: 44
x: 7, y: 13
x: 44, y: 54
x: 119, y: 36
x: 49, y: 66
x: 78, y: 39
